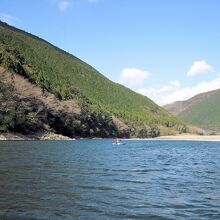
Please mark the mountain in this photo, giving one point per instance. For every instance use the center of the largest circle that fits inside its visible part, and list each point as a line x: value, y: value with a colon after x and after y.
x: 201, y: 110
x: 44, y: 88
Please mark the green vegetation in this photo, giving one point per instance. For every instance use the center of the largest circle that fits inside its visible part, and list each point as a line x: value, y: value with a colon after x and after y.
x: 204, y: 113
x: 66, y: 76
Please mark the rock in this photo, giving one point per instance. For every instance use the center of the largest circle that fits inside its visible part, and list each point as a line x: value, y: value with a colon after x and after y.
x: 53, y: 136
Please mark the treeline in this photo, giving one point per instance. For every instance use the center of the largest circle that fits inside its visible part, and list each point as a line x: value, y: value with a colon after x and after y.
x: 28, y: 115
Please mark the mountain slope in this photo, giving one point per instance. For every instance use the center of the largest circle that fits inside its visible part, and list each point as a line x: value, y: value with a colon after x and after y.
x: 68, y: 78
x: 201, y: 110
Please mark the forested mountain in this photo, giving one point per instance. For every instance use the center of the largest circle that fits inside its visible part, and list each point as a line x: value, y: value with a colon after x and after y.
x: 202, y: 110
x: 104, y: 108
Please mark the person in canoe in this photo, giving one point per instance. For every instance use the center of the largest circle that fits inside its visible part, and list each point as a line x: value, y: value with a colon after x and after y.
x: 117, y: 141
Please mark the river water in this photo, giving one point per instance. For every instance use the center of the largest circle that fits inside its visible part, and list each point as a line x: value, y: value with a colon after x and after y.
x: 93, y: 179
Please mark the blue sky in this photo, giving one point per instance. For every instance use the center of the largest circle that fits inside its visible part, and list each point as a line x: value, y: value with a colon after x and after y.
x: 166, y: 49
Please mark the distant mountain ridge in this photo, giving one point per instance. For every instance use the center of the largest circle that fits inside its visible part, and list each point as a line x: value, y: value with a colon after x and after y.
x: 202, y: 110
x: 104, y: 108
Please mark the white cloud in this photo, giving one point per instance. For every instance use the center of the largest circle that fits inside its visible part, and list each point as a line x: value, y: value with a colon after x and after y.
x: 175, y: 83
x: 8, y: 18
x: 63, y: 4
x: 199, y: 67
x: 174, y: 92
x: 133, y: 77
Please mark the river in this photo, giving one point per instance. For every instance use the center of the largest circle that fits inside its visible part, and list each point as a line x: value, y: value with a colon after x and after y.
x: 93, y: 179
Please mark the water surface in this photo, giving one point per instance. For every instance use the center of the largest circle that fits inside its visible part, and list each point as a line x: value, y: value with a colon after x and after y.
x: 93, y: 179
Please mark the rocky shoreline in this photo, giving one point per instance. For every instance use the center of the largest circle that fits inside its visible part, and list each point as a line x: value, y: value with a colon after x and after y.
x: 40, y: 136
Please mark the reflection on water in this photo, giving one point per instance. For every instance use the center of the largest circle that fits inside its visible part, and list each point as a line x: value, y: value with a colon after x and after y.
x: 94, y: 179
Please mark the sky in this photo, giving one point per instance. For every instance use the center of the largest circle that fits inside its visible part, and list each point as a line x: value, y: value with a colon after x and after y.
x: 168, y: 50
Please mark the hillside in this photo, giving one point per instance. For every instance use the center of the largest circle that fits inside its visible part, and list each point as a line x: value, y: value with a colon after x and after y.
x: 201, y: 110
x: 101, y: 107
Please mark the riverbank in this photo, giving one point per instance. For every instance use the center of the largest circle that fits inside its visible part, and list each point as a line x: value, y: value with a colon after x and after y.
x: 53, y: 136
x: 183, y: 137
x: 190, y: 137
